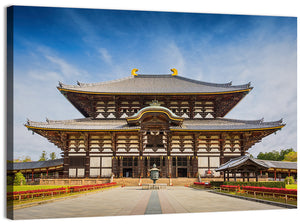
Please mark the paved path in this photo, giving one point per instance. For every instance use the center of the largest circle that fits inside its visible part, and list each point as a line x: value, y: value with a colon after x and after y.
x: 135, y: 201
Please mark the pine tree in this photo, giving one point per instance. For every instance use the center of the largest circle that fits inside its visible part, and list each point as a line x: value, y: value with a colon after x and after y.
x: 43, y: 157
x: 52, y: 156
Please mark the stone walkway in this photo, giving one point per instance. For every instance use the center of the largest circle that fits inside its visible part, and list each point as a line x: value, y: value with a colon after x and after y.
x: 135, y: 201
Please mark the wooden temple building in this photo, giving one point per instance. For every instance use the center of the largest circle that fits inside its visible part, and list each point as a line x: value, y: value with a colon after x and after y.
x: 131, y: 123
x: 248, y: 168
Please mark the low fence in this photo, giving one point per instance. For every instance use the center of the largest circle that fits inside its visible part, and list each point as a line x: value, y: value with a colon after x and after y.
x: 41, y: 193
x: 203, y: 184
x: 286, y: 194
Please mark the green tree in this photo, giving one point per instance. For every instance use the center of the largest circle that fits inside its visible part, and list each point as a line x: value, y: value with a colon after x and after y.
x: 43, y: 157
x: 291, y: 157
x: 289, y: 180
x: 274, y: 155
x: 52, y: 156
x: 284, y: 152
x: 27, y: 159
x: 19, y: 179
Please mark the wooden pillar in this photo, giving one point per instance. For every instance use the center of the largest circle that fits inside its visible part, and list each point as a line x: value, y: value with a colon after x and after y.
x: 32, y: 174
x: 121, y: 166
x: 275, y: 174
x: 148, y: 165
x: 195, y: 158
x: 160, y: 166
x: 141, y: 160
x: 248, y: 176
x: 289, y: 173
x: 66, y: 164
x: 47, y: 172
x: 170, y: 166
x: 176, y: 169
x: 243, y: 174
x: 87, y: 156
x: 260, y: 173
x: 140, y: 166
x: 224, y: 175
x: 188, y: 166
x: 115, y: 166
x: 169, y: 158
x: 132, y: 166
x: 256, y: 176
x: 234, y: 175
x: 195, y: 166
x: 221, y: 150
x: 227, y: 175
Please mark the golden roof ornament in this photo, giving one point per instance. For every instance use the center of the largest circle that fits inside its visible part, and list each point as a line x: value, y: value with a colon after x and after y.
x: 155, y: 103
x: 133, y: 72
x: 174, y: 70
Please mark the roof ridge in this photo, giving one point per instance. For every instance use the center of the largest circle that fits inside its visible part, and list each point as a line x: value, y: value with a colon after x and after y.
x: 81, y: 84
x: 228, y: 84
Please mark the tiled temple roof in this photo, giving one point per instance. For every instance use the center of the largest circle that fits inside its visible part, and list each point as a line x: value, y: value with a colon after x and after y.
x: 207, y: 124
x: 154, y: 84
x: 279, y: 164
x: 235, y: 162
x: 34, y: 165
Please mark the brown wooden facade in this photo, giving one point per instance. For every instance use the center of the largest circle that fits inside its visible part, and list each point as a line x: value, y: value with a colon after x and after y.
x: 183, y: 133
x: 180, y: 154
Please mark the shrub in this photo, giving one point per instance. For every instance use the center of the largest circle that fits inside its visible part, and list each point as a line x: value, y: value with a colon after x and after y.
x: 216, y: 183
x: 278, y: 184
x: 19, y: 179
x: 289, y: 180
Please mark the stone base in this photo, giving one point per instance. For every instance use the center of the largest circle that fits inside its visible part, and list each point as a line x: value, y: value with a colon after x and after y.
x: 69, y: 181
x: 180, y: 181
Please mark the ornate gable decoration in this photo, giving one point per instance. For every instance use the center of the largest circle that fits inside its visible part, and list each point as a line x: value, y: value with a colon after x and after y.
x: 155, y: 116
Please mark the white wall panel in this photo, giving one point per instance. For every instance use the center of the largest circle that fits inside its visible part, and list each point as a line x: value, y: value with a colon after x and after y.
x: 94, y: 172
x: 80, y: 172
x: 106, y: 162
x: 214, y: 161
x: 203, y: 161
x: 105, y: 172
x: 94, y: 161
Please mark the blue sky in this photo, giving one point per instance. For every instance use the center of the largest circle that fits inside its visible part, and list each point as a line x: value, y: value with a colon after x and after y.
x: 91, y: 45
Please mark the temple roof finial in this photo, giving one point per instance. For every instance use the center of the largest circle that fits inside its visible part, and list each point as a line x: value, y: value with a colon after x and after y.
x: 133, y: 72
x: 174, y: 70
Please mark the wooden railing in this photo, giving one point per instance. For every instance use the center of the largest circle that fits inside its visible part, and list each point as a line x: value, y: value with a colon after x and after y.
x: 291, y: 195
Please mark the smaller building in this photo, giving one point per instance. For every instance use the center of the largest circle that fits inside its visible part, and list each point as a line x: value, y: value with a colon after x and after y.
x: 34, y: 171
x: 246, y: 167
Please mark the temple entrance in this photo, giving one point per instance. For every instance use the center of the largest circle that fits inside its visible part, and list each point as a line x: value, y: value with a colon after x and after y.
x: 127, y: 172
x: 182, y: 172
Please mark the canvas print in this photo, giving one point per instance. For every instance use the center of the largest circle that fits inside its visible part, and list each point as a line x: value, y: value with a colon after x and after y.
x: 143, y: 112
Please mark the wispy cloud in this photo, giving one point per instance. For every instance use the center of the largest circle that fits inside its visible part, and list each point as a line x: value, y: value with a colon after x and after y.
x: 105, y: 56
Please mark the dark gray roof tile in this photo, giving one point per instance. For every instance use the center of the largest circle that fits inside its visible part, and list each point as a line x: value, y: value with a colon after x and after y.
x: 155, y: 84
x: 34, y: 165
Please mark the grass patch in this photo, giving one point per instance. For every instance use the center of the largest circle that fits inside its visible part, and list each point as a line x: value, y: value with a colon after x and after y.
x: 11, y: 188
x: 291, y: 186
x: 40, y: 199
